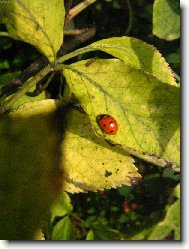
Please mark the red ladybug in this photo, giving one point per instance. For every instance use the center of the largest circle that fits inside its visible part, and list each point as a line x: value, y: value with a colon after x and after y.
x: 108, y: 124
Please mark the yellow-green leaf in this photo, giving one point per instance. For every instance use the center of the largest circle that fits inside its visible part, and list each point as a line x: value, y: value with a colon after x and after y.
x: 137, y: 54
x: 90, y: 235
x: 39, y: 23
x: 29, y: 174
x: 166, y: 19
x: 176, y: 191
x: 89, y: 163
x: 146, y: 109
x: 39, y: 235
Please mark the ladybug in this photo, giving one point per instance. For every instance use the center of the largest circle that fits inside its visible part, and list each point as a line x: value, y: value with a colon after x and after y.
x: 108, y: 124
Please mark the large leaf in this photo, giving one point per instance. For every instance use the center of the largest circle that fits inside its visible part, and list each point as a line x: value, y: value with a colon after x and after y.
x: 166, y: 19
x: 29, y: 174
x: 137, y: 54
x: 39, y: 23
x: 146, y: 109
x: 89, y: 163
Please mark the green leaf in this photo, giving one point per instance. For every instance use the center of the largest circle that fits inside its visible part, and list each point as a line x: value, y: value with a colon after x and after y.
x: 137, y: 54
x: 29, y: 168
x: 140, y: 235
x: 62, y: 206
x: 63, y: 230
x: 147, y: 110
x: 166, y: 19
x: 39, y: 23
x: 88, y: 162
x: 103, y: 232
x: 90, y: 235
x: 171, y: 223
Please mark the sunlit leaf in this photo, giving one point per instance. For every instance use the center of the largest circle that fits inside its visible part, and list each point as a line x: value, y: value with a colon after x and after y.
x: 147, y: 110
x: 137, y: 54
x: 89, y: 163
x: 39, y: 23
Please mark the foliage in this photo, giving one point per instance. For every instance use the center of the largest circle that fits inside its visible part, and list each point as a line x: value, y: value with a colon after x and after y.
x: 126, y: 214
x: 37, y: 18
x: 51, y: 140
x: 166, y: 19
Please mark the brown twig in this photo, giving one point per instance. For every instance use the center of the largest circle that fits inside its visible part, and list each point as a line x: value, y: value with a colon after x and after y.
x: 77, y: 41
x: 75, y: 31
x: 77, y: 9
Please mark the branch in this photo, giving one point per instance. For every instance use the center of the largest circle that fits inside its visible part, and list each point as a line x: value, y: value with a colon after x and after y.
x: 77, y: 9
x: 75, y: 31
x: 39, y: 64
x: 26, y: 86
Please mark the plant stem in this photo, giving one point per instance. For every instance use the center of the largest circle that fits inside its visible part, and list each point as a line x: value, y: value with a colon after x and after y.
x: 42, y: 62
x: 130, y: 17
x: 82, y: 222
x: 55, y: 66
x: 77, y: 9
x: 48, y: 81
x: 75, y: 31
x: 74, y: 53
x: 27, y: 85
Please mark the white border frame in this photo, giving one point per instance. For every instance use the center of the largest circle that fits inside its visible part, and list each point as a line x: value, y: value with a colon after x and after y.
x: 185, y: 173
